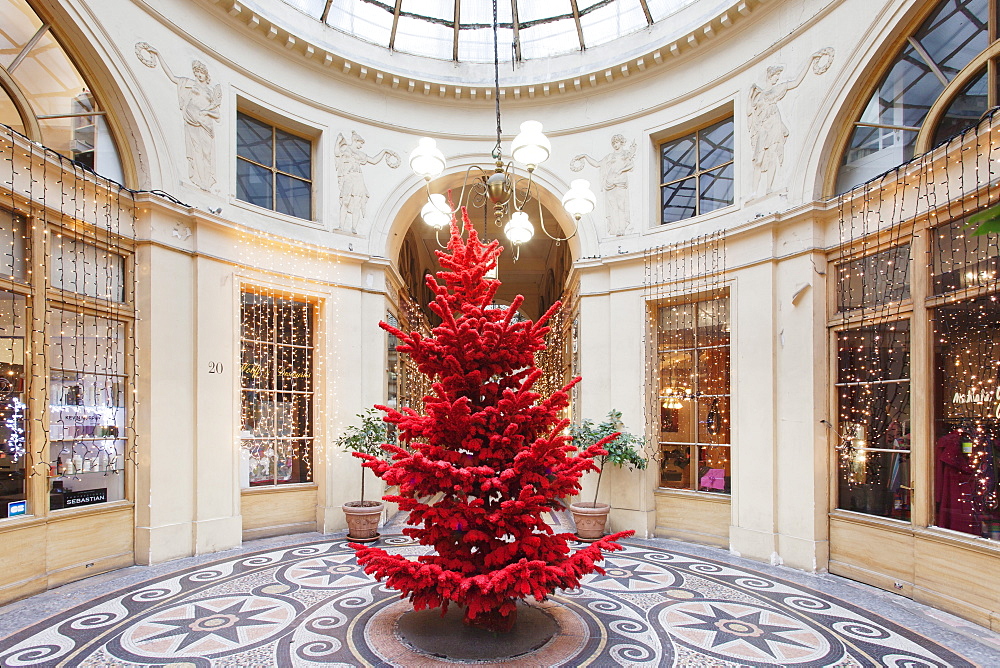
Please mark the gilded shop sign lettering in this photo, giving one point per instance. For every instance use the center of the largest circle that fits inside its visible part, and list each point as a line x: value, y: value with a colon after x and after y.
x: 976, y: 396
x: 257, y: 370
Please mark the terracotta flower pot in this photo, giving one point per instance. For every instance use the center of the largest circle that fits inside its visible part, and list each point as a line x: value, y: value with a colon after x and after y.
x: 590, y: 519
x: 362, y: 520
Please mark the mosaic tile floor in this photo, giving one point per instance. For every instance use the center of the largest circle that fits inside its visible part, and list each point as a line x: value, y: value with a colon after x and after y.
x: 302, y: 601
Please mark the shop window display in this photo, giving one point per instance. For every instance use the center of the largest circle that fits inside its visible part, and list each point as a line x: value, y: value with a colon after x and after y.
x: 277, y: 390
x: 87, y: 409
x: 693, y: 358
x: 13, y: 435
x: 873, y: 398
x: 967, y: 375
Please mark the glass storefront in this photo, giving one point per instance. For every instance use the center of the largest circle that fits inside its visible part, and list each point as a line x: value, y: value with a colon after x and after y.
x: 694, y: 429
x: 966, y: 454
x: 873, y: 399
x: 277, y: 390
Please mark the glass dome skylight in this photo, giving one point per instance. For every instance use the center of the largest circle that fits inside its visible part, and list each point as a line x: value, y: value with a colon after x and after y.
x: 462, y: 30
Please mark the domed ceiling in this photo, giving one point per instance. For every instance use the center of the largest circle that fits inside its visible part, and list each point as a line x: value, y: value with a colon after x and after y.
x: 462, y: 30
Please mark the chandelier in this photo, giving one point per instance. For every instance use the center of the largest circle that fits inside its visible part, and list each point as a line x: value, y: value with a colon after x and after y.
x: 505, y: 186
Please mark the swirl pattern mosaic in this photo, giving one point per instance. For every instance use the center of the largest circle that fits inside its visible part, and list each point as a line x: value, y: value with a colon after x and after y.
x: 310, y: 605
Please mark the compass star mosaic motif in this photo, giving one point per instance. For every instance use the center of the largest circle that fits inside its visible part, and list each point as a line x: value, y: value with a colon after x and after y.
x: 308, y: 604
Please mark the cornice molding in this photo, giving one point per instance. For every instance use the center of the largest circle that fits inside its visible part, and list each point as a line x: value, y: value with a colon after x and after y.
x: 241, y: 15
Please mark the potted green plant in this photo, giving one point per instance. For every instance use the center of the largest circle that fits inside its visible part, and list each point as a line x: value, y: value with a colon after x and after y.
x: 363, y: 516
x: 590, y: 516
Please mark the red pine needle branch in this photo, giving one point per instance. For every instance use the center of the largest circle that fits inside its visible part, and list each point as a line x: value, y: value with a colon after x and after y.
x: 487, y: 458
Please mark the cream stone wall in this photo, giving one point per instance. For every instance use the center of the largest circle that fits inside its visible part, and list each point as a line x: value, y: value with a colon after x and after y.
x: 192, y: 263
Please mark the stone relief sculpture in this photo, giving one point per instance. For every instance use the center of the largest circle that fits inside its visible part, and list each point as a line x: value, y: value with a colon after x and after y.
x: 350, y: 158
x: 199, y: 104
x: 614, y: 168
x: 768, y: 132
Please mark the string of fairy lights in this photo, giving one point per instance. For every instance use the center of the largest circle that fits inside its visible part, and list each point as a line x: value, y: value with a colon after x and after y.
x: 884, y: 291
x: 414, y: 386
x: 688, y: 406
x: 287, y: 311
x: 67, y: 323
x: 557, y: 361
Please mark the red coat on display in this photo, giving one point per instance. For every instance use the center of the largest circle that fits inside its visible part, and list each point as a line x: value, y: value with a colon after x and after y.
x: 955, y: 485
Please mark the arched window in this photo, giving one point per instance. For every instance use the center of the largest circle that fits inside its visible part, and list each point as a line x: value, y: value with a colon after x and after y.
x: 940, y: 82
x: 44, y: 95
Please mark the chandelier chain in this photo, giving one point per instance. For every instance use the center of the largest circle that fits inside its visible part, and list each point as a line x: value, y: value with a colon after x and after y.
x: 496, y: 80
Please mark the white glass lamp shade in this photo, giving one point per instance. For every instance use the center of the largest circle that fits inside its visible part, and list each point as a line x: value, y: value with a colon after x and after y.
x: 427, y: 161
x: 519, y: 230
x: 531, y: 148
x: 436, y: 212
x: 580, y: 199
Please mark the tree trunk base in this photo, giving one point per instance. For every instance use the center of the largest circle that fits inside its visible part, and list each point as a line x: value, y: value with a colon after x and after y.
x: 492, y: 620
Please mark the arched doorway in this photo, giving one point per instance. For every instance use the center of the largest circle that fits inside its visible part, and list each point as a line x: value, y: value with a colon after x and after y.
x: 540, y: 272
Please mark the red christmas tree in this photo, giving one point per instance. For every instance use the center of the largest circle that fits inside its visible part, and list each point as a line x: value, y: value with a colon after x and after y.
x: 495, y: 449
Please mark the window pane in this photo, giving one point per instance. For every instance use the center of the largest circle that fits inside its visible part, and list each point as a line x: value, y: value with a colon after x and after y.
x: 713, y: 322
x: 679, y: 200
x: 14, y: 330
x: 19, y: 25
x: 49, y: 79
x: 86, y: 269
x: 293, y: 155
x: 477, y: 45
x: 676, y: 326
x: 12, y: 246
x: 875, y: 353
x: 257, y: 460
x: 713, y: 417
x: 955, y: 34
x: 714, y: 469
x: 715, y: 144
x: 424, y: 38
x: 874, y: 280
x: 8, y: 112
x: 678, y: 159
x: 257, y: 319
x: 257, y: 366
x: 313, y: 8
x: 965, y: 110
x: 612, y: 20
x: 873, y: 398
x: 365, y: 21
x: 716, y: 188
x: 86, y: 343
x: 253, y: 184
x: 547, y: 39
x: 961, y: 260
x: 907, y: 92
x: 294, y: 461
x: 293, y: 321
x: 294, y: 372
x: 873, y: 151
x: 294, y: 197
x: 253, y: 140
x: 967, y: 428
x: 675, y: 467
